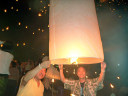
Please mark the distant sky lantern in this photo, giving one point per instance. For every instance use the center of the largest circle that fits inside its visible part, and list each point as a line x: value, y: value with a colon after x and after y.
x: 74, y: 33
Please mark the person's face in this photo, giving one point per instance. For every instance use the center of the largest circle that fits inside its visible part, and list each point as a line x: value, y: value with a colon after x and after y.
x: 40, y: 75
x: 81, y: 73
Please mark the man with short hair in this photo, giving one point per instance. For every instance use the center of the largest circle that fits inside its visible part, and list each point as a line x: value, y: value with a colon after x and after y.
x: 83, y: 86
x: 31, y: 84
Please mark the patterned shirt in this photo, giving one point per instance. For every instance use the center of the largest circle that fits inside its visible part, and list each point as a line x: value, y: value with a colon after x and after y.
x: 90, y: 86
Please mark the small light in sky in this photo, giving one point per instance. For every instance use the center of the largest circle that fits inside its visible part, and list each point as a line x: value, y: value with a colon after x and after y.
x: 118, y: 77
x: 26, y: 27
x: 5, y: 10
x: 2, y: 29
x: 39, y: 14
x: 17, y: 10
x: 42, y: 30
x: 12, y: 8
x: 7, y: 28
x: 24, y: 44
x: 1, y: 45
x: 38, y: 29
x: 17, y: 44
x: 30, y: 8
x: 41, y: 1
x: 19, y: 23
x: 48, y: 4
x: 111, y: 85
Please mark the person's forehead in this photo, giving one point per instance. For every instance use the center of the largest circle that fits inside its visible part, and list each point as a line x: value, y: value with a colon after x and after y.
x: 81, y: 68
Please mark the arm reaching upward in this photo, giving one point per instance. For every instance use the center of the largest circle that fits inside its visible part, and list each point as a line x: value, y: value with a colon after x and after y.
x: 62, y: 77
x: 103, y: 67
x: 34, y: 71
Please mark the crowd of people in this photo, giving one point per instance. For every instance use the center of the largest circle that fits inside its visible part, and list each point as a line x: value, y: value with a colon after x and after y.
x: 25, y: 79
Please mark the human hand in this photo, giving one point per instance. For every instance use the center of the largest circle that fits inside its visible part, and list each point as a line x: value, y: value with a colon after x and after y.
x: 61, y: 67
x: 103, y: 66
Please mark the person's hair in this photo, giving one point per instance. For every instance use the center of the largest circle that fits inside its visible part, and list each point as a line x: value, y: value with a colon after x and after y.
x: 81, y: 67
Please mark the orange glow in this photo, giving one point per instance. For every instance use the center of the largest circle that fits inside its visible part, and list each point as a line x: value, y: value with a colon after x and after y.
x: 17, y: 44
x: 39, y: 14
x: 5, y: 10
x: 1, y: 45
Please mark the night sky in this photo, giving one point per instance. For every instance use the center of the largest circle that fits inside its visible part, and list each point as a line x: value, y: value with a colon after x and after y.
x: 113, y: 23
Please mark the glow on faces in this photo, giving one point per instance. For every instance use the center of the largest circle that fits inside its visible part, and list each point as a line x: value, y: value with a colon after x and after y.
x: 81, y: 73
x: 40, y: 74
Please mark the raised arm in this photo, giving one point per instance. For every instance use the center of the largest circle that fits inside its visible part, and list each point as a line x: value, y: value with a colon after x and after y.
x: 62, y: 77
x: 103, y: 67
x: 29, y: 75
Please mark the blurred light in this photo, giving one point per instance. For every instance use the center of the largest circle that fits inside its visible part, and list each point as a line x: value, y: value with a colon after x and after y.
x: 95, y: 72
x: 19, y: 23
x: 74, y: 71
x: 29, y: 8
x: 38, y: 29
x: 26, y: 27
x: 24, y: 44
x: 7, y: 28
x: 33, y: 33
x: 42, y: 30
x: 1, y: 45
x: 53, y: 80
x: 17, y: 44
x: 12, y: 7
x: 86, y: 76
x: 74, y: 60
x: 2, y: 29
x: 114, y: 9
x: 48, y: 25
x: 39, y: 14
x: 41, y: 1
x: 16, y: 0
x: 111, y: 85
x: 48, y: 4
x: 17, y: 10
x: 72, y: 95
x: 43, y: 54
x: 118, y: 77
x: 66, y: 71
x: 118, y: 64
x: 5, y: 10
x: 42, y: 11
x: 44, y: 7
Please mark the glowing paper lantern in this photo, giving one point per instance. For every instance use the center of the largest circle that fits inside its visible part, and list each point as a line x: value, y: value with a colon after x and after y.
x: 74, y: 33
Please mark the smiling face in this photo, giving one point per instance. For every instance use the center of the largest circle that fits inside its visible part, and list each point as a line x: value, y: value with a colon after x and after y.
x: 40, y: 75
x: 81, y: 73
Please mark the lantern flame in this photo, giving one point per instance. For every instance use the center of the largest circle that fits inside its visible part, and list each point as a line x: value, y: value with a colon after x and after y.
x: 73, y: 60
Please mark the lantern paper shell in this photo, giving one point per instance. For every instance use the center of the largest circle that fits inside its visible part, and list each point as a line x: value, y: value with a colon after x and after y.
x: 52, y: 73
x: 74, y: 33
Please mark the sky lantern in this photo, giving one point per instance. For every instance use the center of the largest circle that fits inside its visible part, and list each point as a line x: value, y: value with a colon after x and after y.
x: 74, y: 36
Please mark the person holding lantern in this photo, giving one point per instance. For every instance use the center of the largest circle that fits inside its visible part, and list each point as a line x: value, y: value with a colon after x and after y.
x: 83, y: 86
x: 31, y: 84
